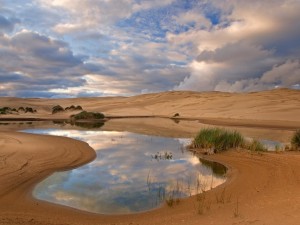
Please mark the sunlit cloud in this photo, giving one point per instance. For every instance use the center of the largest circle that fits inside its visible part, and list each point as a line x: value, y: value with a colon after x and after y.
x: 128, y: 47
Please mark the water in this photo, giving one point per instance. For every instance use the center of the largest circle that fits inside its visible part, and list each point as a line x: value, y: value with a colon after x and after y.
x: 272, y: 145
x: 132, y: 173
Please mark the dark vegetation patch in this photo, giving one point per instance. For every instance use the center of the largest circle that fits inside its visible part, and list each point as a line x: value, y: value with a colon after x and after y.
x: 58, y: 108
x: 8, y: 110
x: 296, y: 140
x: 84, y: 115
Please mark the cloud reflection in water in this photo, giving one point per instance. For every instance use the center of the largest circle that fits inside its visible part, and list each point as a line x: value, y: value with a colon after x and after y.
x: 125, y: 177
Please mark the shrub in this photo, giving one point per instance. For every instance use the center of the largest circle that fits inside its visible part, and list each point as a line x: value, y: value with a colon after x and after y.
x: 5, y: 110
x: 218, y: 139
x: 84, y: 115
x: 176, y: 115
x: 78, y: 107
x: 57, y: 109
x: 296, y: 140
x: 21, y: 109
x: 72, y: 107
x: 28, y: 109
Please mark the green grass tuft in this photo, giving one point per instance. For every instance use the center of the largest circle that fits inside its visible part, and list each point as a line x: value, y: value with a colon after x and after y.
x: 256, y: 146
x: 296, y: 140
x: 218, y: 139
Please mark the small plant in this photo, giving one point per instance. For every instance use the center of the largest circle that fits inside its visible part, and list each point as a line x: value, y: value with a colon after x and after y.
x: 78, y: 107
x: 29, y: 110
x: 162, y: 156
x: 202, y: 203
x: 221, y: 198
x: 5, y: 110
x: 170, y: 201
x: 296, y: 140
x: 176, y: 115
x: 57, y: 109
x: 236, y: 212
x: 256, y: 146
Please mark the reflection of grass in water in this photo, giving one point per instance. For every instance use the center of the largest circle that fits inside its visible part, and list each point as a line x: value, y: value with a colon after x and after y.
x: 172, y: 191
x: 89, y: 125
x: 217, y: 168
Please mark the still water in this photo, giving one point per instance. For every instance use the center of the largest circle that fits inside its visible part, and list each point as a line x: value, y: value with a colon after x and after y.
x: 131, y: 173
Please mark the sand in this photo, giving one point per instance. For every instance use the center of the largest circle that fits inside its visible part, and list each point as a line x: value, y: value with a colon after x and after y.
x: 260, y: 189
x: 259, y: 108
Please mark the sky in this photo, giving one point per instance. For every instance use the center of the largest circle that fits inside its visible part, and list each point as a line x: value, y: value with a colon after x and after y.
x: 81, y: 48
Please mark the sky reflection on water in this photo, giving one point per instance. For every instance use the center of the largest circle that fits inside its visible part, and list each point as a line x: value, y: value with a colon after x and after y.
x: 130, y: 173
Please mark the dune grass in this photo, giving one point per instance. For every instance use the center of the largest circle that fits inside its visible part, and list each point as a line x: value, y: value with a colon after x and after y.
x: 296, y: 140
x: 218, y: 139
x: 256, y: 146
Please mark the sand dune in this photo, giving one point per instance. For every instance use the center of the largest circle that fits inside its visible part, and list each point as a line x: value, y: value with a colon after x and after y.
x: 261, y: 189
x: 275, y: 105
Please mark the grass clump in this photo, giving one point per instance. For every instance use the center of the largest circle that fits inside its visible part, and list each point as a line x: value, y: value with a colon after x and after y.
x: 296, y: 140
x: 217, y: 139
x: 255, y: 146
x: 84, y: 115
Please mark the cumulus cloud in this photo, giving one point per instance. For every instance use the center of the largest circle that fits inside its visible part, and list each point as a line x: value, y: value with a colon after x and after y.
x: 237, y: 56
x: 31, y: 58
x: 95, y: 47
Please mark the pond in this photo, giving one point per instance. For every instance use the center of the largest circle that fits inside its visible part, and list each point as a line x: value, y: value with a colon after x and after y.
x: 131, y: 173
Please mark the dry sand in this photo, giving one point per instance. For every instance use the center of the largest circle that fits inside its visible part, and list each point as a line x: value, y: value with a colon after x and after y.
x: 259, y: 108
x: 261, y: 189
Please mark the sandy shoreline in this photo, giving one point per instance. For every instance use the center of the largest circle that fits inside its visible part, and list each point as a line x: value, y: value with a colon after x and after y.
x: 266, y: 187
x: 260, y: 189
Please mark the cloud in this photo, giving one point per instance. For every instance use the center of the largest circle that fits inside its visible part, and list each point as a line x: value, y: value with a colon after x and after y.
x: 93, y: 14
x: 93, y: 47
x: 247, y: 45
x: 286, y: 74
x: 7, y: 25
x: 31, y: 58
